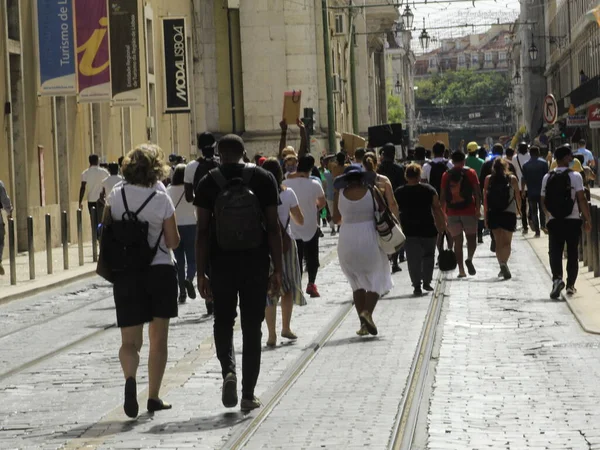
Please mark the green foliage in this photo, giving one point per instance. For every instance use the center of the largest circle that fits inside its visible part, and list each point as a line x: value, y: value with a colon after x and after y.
x: 396, y: 113
x: 464, y: 87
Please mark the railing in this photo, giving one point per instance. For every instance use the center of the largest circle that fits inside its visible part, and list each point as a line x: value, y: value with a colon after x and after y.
x: 64, y: 241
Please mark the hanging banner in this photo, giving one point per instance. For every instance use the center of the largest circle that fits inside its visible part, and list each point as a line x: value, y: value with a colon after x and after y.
x: 125, y: 52
x: 594, y: 116
x: 575, y: 121
x: 177, y: 88
x: 91, y: 25
x: 56, y: 47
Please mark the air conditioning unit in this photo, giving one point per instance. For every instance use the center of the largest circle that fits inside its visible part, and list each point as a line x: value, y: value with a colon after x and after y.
x: 336, y: 83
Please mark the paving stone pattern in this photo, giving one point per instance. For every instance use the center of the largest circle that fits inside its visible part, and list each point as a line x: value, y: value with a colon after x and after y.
x: 515, y: 369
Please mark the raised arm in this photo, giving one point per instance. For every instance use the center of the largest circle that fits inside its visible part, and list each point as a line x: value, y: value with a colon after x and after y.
x: 303, y: 139
x: 282, y: 139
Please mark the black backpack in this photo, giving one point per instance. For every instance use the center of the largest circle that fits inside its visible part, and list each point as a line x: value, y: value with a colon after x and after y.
x: 466, y: 189
x: 124, y: 242
x: 558, y: 199
x: 498, y: 194
x: 438, y: 169
x: 204, y: 167
x: 239, y: 221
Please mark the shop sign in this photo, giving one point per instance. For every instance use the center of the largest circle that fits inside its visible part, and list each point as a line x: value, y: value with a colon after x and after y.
x: 594, y: 116
x: 177, y: 90
x: 576, y: 121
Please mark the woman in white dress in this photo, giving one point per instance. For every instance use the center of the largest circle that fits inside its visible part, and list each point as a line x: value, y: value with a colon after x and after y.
x: 362, y: 261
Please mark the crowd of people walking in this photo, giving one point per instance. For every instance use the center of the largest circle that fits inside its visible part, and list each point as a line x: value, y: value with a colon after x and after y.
x: 247, y: 232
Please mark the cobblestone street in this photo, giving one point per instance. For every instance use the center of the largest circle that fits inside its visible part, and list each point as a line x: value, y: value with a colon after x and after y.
x: 510, y: 369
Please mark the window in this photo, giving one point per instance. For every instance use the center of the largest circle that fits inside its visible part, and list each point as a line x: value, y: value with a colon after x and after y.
x: 502, y: 56
x: 339, y: 24
x: 461, y: 60
x: 14, y: 22
x: 432, y: 62
x: 475, y: 58
x: 488, y: 57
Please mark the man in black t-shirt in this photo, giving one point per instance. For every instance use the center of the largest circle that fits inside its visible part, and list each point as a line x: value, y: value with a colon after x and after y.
x: 422, y: 219
x: 233, y: 273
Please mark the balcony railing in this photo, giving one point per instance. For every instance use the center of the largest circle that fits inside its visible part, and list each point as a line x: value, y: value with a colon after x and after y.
x: 587, y: 92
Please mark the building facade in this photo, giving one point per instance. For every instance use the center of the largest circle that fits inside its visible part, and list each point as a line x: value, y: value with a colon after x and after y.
x: 242, y: 57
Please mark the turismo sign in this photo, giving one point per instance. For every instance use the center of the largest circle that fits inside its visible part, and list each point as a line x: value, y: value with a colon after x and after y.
x: 177, y: 90
x: 56, y: 47
x: 125, y: 52
x: 576, y: 121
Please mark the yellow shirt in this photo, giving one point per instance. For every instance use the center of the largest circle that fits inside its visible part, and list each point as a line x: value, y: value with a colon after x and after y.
x: 575, y: 165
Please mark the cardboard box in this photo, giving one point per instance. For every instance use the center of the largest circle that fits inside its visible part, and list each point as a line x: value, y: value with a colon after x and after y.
x: 292, y: 101
x: 352, y: 142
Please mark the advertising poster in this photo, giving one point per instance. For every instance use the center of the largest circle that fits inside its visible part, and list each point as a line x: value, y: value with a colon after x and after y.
x: 56, y: 47
x: 177, y: 90
x: 91, y: 27
x: 125, y: 52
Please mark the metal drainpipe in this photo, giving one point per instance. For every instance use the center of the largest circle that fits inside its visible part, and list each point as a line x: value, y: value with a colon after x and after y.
x: 353, y: 75
x: 231, y: 80
x: 328, y: 80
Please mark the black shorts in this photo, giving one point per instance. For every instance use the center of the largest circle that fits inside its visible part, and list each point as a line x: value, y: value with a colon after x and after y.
x: 502, y: 220
x: 141, y: 296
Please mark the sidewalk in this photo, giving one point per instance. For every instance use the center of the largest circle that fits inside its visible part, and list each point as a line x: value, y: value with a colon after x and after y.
x: 42, y: 281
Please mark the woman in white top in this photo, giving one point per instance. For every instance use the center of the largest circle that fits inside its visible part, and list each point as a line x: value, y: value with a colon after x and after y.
x: 186, y: 224
x: 291, y: 286
x: 149, y: 295
x: 362, y: 261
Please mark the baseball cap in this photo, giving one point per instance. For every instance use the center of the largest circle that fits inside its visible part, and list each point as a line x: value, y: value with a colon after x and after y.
x: 472, y: 147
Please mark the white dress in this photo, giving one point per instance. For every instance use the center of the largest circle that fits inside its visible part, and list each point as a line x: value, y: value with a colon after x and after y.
x: 364, y: 264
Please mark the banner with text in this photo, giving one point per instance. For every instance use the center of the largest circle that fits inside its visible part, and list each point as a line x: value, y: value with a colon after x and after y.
x: 177, y: 88
x: 56, y: 47
x: 125, y: 52
x: 91, y: 24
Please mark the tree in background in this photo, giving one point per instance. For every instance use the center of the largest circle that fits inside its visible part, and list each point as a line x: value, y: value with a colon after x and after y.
x: 396, y: 112
x: 463, y: 87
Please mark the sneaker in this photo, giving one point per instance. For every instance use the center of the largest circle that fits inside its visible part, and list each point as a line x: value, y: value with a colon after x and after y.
x: 470, y: 267
x: 537, y: 235
x: 505, y: 272
x: 417, y: 292
x: 571, y: 290
x: 321, y: 233
x: 248, y: 404
x: 427, y: 287
x: 1, y: 269
x: 557, y: 286
x: 182, y: 297
x: 525, y: 231
x: 312, y: 290
x: 333, y: 232
x: 189, y: 288
x: 229, y: 395
x: 396, y: 268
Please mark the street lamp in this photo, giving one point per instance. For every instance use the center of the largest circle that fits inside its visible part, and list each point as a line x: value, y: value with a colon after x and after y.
x: 533, y: 51
x: 517, y: 77
x: 398, y: 87
x: 424, y: 39
x: 407, y: 18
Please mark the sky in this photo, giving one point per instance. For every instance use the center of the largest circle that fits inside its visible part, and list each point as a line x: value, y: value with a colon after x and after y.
x: 446, y: 14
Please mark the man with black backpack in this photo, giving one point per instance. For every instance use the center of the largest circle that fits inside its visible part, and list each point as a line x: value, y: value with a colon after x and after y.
x: 198, y: 168
x: 238, y: 228
x: 434, y: 170
x: 564, y: 203
x: 461, y: 196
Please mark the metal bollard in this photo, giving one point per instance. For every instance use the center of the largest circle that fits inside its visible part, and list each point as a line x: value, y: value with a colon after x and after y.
x: 593, y: 244
x: 580, y: 251
x: 94, y: 235
x: 80, y: 235
x: 30, y: 248
x: 64, y: 228
x: 12, y: 251
x: 596, y: 220
x: 589, y: 255
x: 584, y: 247
x: 49, y: 243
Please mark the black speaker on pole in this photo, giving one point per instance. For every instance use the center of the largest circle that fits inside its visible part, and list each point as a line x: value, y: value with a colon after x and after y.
x: 380, y: 135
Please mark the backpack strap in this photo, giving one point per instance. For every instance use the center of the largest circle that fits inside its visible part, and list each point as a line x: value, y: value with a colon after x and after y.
x: 127, y: 211
x: 218, y: 177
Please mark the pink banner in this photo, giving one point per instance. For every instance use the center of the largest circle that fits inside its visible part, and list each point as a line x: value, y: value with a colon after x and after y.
x: 93, y: 72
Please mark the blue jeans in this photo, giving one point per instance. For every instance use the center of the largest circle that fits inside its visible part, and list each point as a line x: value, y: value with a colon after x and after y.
x: 186, y: 251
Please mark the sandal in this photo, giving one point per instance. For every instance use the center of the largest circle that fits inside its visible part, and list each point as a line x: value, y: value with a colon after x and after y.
x: 289, y: 335
x: 157, y: 405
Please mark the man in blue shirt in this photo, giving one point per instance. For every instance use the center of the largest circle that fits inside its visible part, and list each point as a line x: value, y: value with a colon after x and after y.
x: 588, y: 156
x: 533, y: 174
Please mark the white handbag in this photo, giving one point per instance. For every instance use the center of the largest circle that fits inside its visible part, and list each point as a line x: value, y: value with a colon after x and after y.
x: 390, y: 236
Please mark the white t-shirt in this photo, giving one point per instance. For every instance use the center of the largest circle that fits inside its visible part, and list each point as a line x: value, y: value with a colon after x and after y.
x: 190, y: 171
x: 288, y: 201
x: 184, y: 211
x: 159, y: 209
x: 93, y: 177
x: 576, y: 186
x: 518, y: 162
x: 426, y: 172
x: 110, y: 182
x: 307, y: 191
